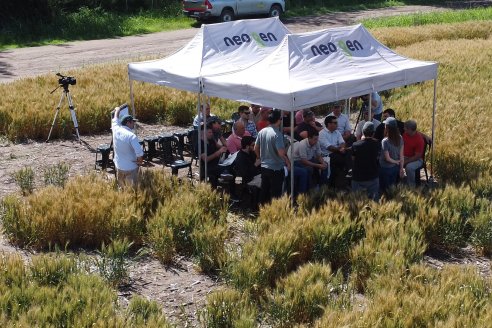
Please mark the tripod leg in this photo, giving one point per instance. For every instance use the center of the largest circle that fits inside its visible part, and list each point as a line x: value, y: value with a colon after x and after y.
x: 72, y: 113
x: 56, y: 115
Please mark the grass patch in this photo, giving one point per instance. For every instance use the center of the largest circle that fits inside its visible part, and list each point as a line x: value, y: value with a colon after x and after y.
x: 89, y: 24
x: 439, y: 17
x: 56, y: 290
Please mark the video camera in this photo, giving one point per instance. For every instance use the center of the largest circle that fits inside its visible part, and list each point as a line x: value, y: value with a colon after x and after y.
x: 66, y: 80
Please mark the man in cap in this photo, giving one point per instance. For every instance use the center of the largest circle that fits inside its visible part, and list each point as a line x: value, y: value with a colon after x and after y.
x: 308, y: 124
x: 216, y: 126
x: 365, y: 172
x: 212, y: 156
x: 128, y: 153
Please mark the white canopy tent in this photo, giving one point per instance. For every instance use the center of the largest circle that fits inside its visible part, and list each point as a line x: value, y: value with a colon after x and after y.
x: 257, y: 61
x: 319, y: 67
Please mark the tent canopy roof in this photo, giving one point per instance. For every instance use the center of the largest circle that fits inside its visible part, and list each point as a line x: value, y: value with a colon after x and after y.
x: 319, y: 67
x: 216, y: 48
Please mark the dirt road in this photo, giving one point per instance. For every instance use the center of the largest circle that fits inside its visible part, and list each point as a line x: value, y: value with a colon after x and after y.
x: 24, y: 62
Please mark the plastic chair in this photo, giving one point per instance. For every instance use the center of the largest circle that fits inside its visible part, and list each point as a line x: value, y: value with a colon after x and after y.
x: 169, y: 155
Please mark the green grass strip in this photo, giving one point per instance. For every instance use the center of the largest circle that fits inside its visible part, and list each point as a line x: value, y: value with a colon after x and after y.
x: 438, y: 17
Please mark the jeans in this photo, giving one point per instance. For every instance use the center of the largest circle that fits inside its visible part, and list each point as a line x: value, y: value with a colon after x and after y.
x: 271, y: 184
x: 371, y: 187
x: 388, y: 176
x: 302, y: 177
x: 410, y: 169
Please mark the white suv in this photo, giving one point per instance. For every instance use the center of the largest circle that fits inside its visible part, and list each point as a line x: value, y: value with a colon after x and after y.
x: 228, y: 10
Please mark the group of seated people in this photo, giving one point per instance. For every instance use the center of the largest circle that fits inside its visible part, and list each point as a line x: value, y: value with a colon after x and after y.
x: 373, y: 157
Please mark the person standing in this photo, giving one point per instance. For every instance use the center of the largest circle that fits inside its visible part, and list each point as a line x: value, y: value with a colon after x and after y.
x: 365, y: 172
x: 391, y: 159
x: 244, y: 117
x: 376, y: 105
x: 270, y: 149
x: 128, y: 153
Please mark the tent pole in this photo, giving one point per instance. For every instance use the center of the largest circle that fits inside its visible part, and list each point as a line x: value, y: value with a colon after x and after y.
x: 205, y: 137
x: 132, y: 102
x: 433, y: 129
x: 199, y: 135
x: 132, y: 99
x: 370, y: 107
x: 291, y: 150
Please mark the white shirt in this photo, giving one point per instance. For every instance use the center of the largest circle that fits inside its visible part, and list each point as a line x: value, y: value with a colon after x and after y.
x: 328, y: 138
x: 126, y: 147
x: 343, y: 123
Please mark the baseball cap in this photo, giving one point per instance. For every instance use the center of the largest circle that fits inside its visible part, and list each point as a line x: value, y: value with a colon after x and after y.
x: 214, y: 119
x: 368, y: 128
x: 391, y: 121
x: 307, y: 113
x: 127, y: 118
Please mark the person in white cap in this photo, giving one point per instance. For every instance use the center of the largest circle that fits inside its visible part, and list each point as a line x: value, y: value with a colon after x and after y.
x: 128, y: 153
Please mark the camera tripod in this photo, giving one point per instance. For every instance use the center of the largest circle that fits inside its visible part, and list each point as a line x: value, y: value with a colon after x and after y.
x: 65, y: 93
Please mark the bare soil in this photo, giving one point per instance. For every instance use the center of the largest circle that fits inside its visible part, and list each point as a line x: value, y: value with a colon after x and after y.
x: 180, y: 289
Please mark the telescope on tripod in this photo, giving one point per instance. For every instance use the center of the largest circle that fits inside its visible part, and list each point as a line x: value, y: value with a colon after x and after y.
x: 65, y: 81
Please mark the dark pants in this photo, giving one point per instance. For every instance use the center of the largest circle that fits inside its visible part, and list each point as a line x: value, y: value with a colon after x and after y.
x: 271, y: 184
x: 388, y: 176
x: 340, y: 163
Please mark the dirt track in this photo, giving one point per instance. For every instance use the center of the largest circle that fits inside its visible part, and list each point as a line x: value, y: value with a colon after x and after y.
x: 27, y: 62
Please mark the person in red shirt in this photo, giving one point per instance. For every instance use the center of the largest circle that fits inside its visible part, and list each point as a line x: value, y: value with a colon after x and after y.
x: 263, y: 122
x: 413, y: 150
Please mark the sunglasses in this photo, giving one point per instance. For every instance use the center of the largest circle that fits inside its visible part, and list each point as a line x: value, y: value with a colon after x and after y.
x: 246, y: 112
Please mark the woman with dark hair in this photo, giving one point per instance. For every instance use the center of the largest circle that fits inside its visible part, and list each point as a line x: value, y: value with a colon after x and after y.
x: 391, y: 159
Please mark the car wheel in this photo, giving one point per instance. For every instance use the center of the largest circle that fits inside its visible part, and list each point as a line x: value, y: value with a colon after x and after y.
x: 227, y: 15
x: 275, y: 11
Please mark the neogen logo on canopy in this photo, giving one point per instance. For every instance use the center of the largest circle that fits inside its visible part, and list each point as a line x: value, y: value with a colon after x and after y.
x: 260, y: 38
x: 348, y: 47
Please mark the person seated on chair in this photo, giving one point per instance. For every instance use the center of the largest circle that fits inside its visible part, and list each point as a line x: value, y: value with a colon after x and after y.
x: 376, y: 102
x: 212, y: 156
x: 307, y: 156
x: 128, y: 154
x: 358, y: 128
x: 246, y: 165
x: 197, y: 121
x: 308, y: 124
x: 263, y: 121
x: 216, y: 125
x: 250, y: 126
x: 413, y: 150
x: 365, y: 154
x: 391, y: 159
x: 343, y: 121
x: 389, y: 112
x: 333, y: 145
x: 234, y: 140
